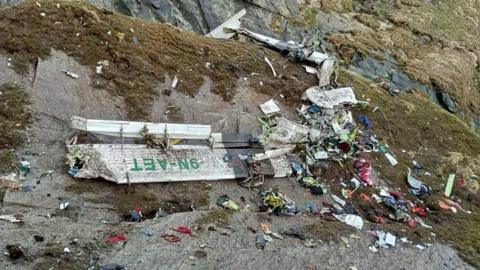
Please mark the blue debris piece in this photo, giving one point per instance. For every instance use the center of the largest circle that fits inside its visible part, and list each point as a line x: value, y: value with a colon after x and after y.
x: 364, y: 119
x: 73, y: 171
x: 146, y: 231
x: 313, y: 109
x: 26, y: 188
x: 297, y: 168
x: 136, y: 216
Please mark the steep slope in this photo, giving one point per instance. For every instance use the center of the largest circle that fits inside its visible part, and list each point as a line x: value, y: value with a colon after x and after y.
x: 141, y: 54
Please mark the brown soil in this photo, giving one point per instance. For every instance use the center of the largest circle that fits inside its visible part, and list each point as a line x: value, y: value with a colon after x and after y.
x: 140, y: 53
x: 14, y: 117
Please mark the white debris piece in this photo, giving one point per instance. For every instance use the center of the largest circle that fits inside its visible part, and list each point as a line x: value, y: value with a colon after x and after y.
x: 338, y: 200
x: 100, y: 65
x: 326, y: 72
x: 352, y: 220
x: 232, y: 23
x: 64, y: 205
x: 138, y: 163
x: 422, y: 223
x: 270, y: 107
x: 174, y: 82
x: 290, y: 132
x: 321, y: 155
x: 270, y: 65
x: 70, y: 74
x: 129, y: 129
x: 393, y: 161
x: 329, y: 99
x: 311, y: 70
x: 316, y: 57
x: 385, y: 239
x: 373, y: 249
x: 421, y: 247
x: 274, y: 153
x: 11, y: 218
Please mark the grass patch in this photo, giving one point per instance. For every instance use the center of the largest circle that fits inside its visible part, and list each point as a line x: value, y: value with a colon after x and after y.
x: 139, y: 52
x: 411, y: 122
x: 170, y: 197
x: 327, y: 232
x: 214, y: 216
x: 14, y: 117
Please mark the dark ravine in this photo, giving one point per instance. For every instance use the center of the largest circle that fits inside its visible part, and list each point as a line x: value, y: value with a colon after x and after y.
x: 282, y: 19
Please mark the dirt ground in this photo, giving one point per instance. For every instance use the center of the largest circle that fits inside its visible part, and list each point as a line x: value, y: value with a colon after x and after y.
x: 222, y: 239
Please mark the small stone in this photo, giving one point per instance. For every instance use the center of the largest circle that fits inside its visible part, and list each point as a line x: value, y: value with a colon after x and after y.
x: 38, y: 238
x: 15, y: 252
x: 200, y: 253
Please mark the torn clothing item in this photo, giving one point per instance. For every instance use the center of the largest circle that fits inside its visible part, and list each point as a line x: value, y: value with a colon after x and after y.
x: 417, y: 187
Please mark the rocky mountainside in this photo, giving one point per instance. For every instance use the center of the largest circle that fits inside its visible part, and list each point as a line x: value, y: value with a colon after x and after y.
x: 405, y: 43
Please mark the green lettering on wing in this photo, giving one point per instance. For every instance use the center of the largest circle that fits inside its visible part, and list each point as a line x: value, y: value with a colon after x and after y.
x: 149, y: 164
x: 136, y: 167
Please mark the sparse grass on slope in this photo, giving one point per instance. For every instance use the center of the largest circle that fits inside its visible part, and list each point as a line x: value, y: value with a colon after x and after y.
x: 410, y: 122
x: 140, y: 53
x: 14, y: 116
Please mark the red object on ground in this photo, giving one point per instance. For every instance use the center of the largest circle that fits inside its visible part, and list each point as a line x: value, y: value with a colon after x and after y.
x: 183, y: 230
x: 396, y: 194
x: 419, y: 210
x: 364, y: 168
x: 345, y: 147
x: 364, y: 197
x: 411, y: 222
x: 116, y: 238
x: 379, y: 219
x: 171, y: 238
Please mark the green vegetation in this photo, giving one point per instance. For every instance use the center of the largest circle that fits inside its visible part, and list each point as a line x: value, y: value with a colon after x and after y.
x: 14, y: 117
x: 214, y: 216
x: 140, y: 53
x: 412, y: 123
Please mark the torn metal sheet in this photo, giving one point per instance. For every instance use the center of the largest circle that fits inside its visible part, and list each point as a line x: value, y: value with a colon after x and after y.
x: 311, y: 70
x: 326, y: 72
x: 269, y: 107
x: 300, y: 53
x: 274, y: 153
x: 329, y: 99
x: 290, y: 132
x: 232, y: 23
x: 133, y: 163
x: 129, y: 129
